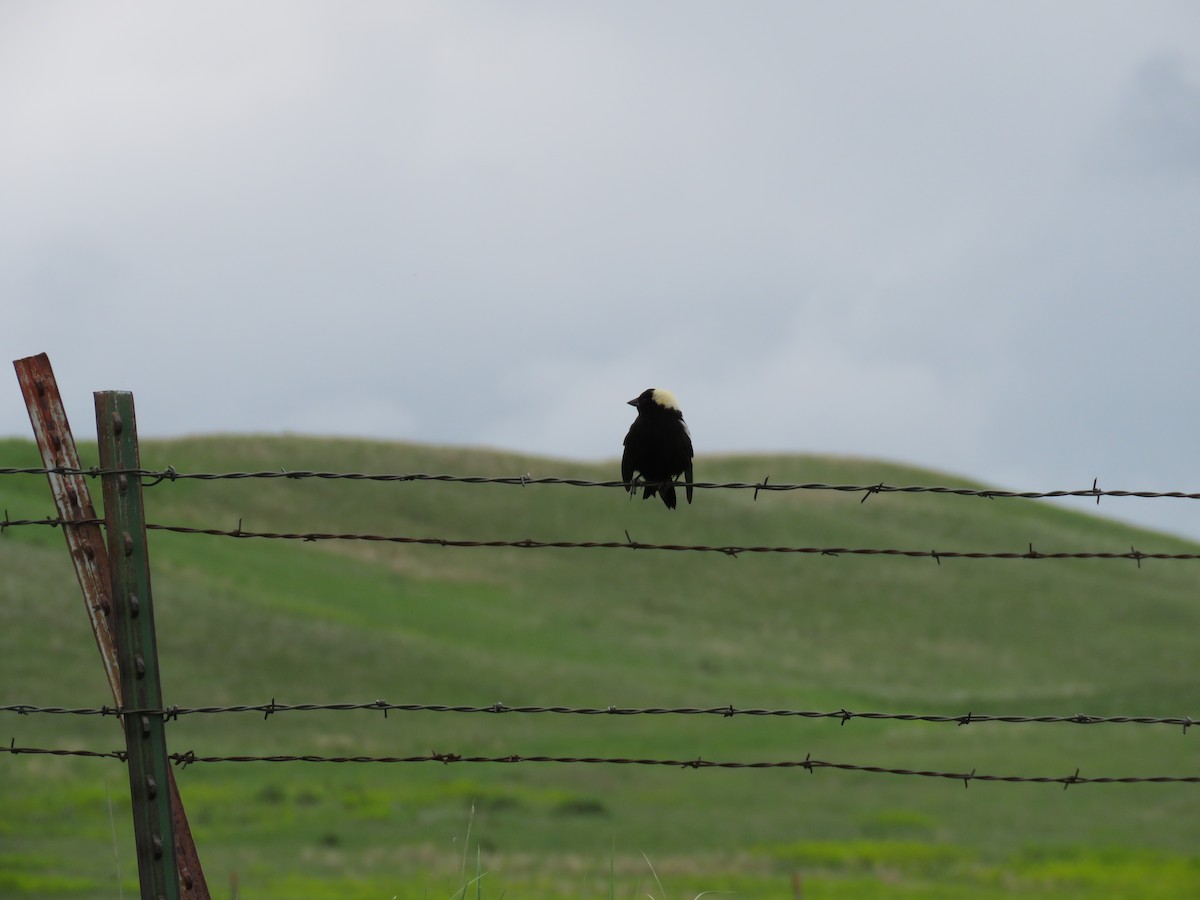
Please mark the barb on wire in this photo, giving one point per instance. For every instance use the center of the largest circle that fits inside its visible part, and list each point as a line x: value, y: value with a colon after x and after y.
x: 153, y: 477
x: 843, y: 715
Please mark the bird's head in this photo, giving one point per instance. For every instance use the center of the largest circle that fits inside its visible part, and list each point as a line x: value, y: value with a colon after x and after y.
x: 652, y: 397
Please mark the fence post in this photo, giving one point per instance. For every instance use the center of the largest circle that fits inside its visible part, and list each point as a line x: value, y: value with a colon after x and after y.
x: 137, y: 652
x: 85, y: 541
x: 73, y: 499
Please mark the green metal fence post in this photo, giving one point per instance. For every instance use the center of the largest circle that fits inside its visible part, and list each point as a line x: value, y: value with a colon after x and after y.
x: 137, y: 651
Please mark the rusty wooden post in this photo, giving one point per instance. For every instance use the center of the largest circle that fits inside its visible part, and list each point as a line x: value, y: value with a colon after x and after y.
x: 85, y: 541
x: 89, y: 555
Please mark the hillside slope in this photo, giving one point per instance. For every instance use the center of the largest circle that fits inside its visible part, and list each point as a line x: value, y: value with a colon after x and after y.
x: 245, y: 621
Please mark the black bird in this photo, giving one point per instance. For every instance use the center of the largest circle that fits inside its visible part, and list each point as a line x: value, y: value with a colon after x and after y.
x: 658, y: 445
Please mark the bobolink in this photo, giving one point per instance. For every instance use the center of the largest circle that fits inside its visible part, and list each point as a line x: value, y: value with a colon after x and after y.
x: 658, y: 445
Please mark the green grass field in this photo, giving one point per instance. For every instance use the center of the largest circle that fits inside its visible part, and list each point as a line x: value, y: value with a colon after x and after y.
x: 245, y: 621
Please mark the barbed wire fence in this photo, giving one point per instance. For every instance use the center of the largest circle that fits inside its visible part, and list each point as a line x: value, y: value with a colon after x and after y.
x: 727, y: 712
x: 169, y: 474
x: 153, y: 477
x: 808, y: 763
x: 628, y: 544
x: 76, y: 517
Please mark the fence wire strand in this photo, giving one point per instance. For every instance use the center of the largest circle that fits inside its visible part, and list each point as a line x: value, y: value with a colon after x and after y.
x: 183, y: 760
x: 844, y: 715
x: 1133, y: 554
x: 152, y: 477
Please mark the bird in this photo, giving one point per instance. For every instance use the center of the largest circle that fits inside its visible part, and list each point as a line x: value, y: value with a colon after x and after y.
x: 658, y: 445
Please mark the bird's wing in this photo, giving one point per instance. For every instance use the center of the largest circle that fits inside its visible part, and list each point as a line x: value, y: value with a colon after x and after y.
x: 687, y: 470
x: 627, y: 465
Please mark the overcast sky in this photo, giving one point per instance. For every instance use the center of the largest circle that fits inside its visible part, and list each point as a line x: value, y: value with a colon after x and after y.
x: 959, y: 234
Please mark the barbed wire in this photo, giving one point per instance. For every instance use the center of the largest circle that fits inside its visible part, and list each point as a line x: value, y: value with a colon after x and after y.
x: 51, y: 521
x: 46, y: 751
x: 629, y: 543
x: 183, y: 760
x: 844, y: 715
x: 152, y: 477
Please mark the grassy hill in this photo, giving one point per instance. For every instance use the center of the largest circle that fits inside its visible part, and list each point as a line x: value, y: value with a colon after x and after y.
x: 245, y: 621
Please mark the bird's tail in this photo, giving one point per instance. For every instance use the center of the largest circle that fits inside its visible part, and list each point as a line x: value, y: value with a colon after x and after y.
x: 667, y: 491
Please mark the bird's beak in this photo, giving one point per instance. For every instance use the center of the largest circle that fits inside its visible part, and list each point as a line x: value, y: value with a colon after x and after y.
x: 632, y: 402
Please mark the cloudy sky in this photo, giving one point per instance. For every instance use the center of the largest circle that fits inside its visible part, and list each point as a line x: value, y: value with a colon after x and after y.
x: 959, y: 234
